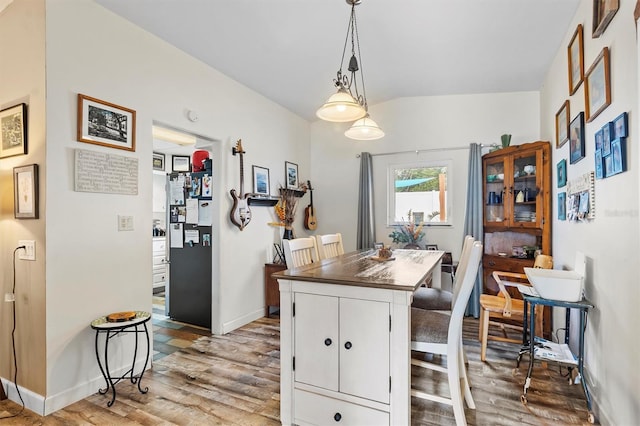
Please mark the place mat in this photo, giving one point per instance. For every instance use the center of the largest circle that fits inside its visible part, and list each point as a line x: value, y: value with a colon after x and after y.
x: 382, y: 259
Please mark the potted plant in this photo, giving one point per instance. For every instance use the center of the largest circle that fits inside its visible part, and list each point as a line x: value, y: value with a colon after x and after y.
x: 410, y: 234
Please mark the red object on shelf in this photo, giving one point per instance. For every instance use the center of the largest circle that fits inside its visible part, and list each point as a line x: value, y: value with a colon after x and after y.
x: 198, y: 160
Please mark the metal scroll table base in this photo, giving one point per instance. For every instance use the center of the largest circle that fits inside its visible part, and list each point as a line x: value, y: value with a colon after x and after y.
x: 112, y: 330
x: 529, y: 344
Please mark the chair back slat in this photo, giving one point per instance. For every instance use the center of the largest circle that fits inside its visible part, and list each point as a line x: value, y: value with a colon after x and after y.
x: 329, y: 245
x: 462, y: 266
x: 467, y: 281
x: 300, y: 251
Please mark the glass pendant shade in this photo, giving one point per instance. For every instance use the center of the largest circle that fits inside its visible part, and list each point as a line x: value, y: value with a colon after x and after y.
x: 341, y: 107
x: 365, y: 129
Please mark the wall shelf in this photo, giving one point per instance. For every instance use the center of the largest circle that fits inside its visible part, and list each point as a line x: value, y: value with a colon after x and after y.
x: 263, y: 201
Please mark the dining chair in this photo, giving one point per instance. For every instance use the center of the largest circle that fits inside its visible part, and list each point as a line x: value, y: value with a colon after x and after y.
x: 300, y: 251
x: 505, y: 311
x: 438, y: 299
x: 440, y: 333
x: 329, y: 245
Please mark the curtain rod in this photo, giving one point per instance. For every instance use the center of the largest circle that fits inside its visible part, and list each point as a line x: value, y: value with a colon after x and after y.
x: 418, y: 151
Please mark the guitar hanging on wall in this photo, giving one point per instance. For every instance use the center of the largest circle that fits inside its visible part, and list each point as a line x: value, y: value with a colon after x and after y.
x: 309, y: 212
x: 240, y: 214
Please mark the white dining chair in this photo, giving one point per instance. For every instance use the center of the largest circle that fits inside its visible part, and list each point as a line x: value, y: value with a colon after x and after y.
x: 440, y: 333
x: 300, y: 251
x: 431, y: 298
x: 329, y: 245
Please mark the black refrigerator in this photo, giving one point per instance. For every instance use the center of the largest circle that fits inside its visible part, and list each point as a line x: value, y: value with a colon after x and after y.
x: 189, y: 199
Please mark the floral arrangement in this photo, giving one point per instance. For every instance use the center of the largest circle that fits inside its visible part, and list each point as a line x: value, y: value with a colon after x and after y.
x: 408, y: 233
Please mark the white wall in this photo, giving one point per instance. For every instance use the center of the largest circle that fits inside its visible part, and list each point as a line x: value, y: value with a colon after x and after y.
x: 413, y: 124
x: 611, y: 241
x: 92, y: 267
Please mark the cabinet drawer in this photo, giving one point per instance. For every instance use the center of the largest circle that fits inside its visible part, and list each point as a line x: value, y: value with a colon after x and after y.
x: 159, y: 260
x: 158, y: 278
x: 508, y: 264
x: 316, y: 409
x: 159, y: 269
x: 159, y: 246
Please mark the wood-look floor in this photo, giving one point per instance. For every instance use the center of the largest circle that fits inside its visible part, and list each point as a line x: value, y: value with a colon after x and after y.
x: 234, y: 380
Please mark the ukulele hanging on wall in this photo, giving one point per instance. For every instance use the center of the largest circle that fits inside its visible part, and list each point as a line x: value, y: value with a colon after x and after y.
x: 310, y: 213
x: 240, y: 214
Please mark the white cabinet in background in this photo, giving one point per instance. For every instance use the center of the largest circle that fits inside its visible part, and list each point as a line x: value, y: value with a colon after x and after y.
x: 160, y: 269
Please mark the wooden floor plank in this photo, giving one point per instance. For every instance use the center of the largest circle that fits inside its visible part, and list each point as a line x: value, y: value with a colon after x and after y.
x: 234, y: 380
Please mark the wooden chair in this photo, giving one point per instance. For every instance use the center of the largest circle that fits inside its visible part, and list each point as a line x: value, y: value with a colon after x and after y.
x: 438, y: 299
x: 502, y: 306
x: 440, y: 333
x: 300, y: 251
x: 329, y: 245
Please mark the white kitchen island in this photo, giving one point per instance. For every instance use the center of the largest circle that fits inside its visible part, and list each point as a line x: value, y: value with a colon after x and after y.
x: 345, y: 330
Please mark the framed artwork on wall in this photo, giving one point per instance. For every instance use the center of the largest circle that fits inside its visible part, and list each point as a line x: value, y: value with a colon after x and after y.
x: 291, y: 174
x: 576, y: 60
x: 597, y: 88
x: 25, y: 190
x: 13, y: 131
x: 606, y: 138
x: 181, y: 163
x: 158, y: 161
x: 599, y: 165
x: 562, y: 173
x: 603, y: 12
x: 562, y: 124
x: 106, y: 124
x: 618, y: 156
x: 261, y: 183
x: 620, y: 125
x: 576, y: 139
x: 562, y: 206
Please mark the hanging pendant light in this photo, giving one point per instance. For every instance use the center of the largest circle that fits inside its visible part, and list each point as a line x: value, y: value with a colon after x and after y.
x: 348, y: 104
x: 364, y: 129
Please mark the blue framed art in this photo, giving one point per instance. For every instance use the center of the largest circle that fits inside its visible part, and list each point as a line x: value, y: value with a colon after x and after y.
x: 562, y: 173
x: 562, y: 206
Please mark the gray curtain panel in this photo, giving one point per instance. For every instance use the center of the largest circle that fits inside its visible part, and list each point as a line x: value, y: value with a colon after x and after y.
x: 366, y: 225
x: 473, y: 219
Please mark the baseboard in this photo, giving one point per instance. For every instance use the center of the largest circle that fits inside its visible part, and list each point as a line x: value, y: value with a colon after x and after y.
x: 44, y: 406
x: 243, y: 320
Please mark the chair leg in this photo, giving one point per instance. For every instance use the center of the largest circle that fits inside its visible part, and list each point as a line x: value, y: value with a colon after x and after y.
x: 484, y: 334
x: 465, y: 382
x: 456, y: 392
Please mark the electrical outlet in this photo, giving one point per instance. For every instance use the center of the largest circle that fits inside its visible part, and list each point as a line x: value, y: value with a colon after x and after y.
x: 29, y: 252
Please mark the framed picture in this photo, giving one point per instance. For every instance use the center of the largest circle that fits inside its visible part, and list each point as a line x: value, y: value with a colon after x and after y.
x: 181, y: 163
x: 562, y: 206
x: 618, y: 156
x: 599, y: 165
x: 562, y: 173
x: 13, y: 131
x: 599, y: 137
x: 25, y: 190
x: 597, y: 88
x: 603, y: 11
x: 158, y: 161
x: 418, y: 218
x: 608, y: 166
x: 106, y: 124
x: 576, y: 60
x: 620, y: 126
x: 576, y: 138
x: 562, y: 124
x: 606, y: 138
x: 261, y: 183
x: 291, y: 174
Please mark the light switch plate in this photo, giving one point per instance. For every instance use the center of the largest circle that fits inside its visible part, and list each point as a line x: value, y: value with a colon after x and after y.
x: 125, y: 223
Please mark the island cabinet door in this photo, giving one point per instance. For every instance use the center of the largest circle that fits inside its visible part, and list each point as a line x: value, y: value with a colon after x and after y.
x: 364, y: 349
x: 316, y: 340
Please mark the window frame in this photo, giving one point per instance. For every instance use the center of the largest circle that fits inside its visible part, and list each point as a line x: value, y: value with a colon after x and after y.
x: 391, y: 193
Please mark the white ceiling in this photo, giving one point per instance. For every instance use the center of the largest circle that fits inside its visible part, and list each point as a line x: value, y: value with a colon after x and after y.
x: 290, y: 50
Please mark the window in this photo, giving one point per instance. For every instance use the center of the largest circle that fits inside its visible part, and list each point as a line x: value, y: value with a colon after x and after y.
x: 421, y: 188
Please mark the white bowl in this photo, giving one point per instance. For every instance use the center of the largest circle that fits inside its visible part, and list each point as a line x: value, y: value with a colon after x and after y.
x: 555, y: 284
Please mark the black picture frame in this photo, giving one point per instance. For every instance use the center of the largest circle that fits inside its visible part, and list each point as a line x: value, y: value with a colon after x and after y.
x: 291, y: 175
x: 576, y: 139
x: 181, y: 163
x: 158, y: 161
x: 25, y: 190
x: 621, y: 126
x: 562, y: 173
x: 13, y: 131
